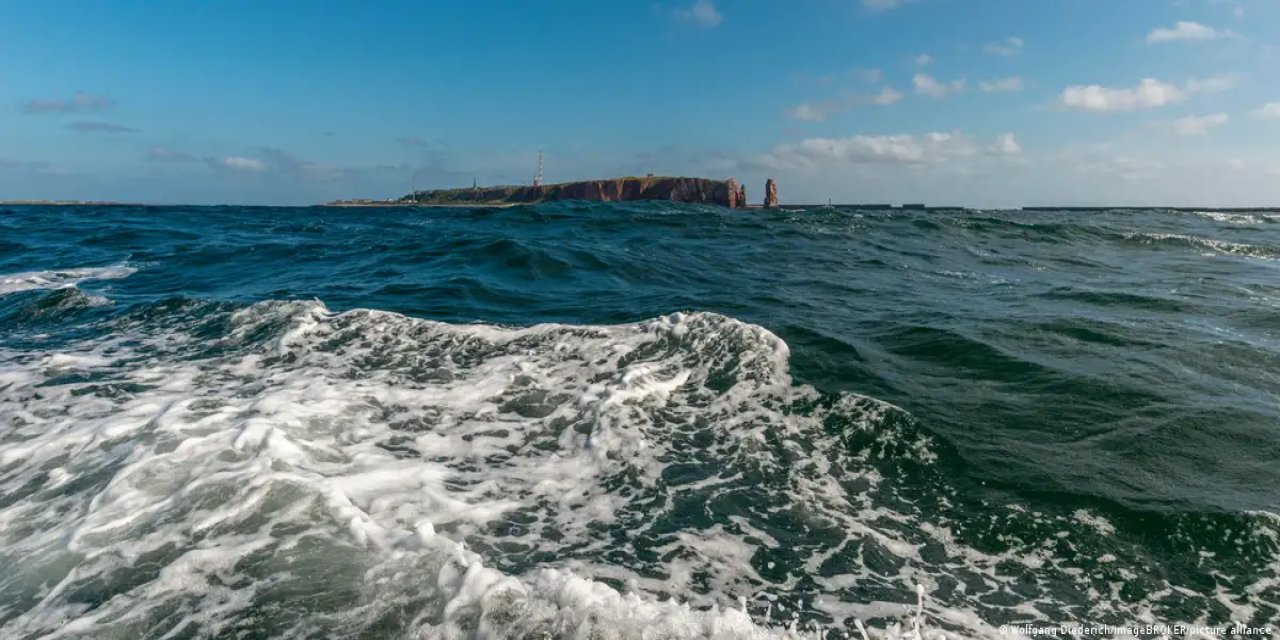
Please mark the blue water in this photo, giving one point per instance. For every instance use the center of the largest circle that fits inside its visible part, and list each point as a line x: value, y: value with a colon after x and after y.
x: 612, y: 419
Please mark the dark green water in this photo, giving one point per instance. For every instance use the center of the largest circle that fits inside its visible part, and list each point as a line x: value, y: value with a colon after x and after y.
x: 630, y: 420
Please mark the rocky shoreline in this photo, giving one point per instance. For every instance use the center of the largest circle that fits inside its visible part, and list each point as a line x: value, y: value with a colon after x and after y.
x: 725, y: 193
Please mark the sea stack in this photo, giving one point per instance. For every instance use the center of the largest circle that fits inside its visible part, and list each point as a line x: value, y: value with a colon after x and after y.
x: 731, y: 197
x: 742, y: 196
x: 770, y: 193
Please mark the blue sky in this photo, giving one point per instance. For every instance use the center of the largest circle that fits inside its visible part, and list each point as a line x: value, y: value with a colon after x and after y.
x: 974, y: 102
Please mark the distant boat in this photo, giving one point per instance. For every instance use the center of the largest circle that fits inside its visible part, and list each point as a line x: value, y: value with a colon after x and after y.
x: 829, y: 205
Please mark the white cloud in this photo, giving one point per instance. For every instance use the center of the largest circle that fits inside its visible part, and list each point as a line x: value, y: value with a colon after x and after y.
x: 1269, y: 110
x: 818, y: 111
x: 1001, y: 85
x: 886, y: 97
x: 1011, y: 46
x: 923, y: 60
x: 1198, y: 125
x: 1006, y: 144
x: 926, y: 84
x: 1149, y: 93
x: 241, y: 164
x: 896, y: 149
x: 1185, y: 31
x: 703, y: 13
x: 913, y: 150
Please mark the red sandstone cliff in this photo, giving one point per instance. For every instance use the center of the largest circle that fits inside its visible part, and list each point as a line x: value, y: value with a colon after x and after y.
x: 725, y: 193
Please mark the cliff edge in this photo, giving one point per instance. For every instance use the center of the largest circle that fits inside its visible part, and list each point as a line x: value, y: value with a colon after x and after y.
x: 725, y: 193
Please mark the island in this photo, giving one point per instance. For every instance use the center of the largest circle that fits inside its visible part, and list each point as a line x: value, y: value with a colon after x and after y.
x: 725, y: 193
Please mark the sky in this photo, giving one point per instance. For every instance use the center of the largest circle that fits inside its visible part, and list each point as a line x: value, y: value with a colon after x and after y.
x: 985, y: 103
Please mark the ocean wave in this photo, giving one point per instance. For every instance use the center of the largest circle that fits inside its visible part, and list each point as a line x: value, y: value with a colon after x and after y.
x: 1235, y: 217
x: 1209, y: 246
x: 282, y: 470
x: 57, y: 279
x: 40, y: 307
x: 427, y: 467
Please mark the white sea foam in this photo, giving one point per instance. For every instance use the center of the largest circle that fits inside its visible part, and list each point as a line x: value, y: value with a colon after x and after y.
x: 378, y: 438
x: 1208, y: 246
x: 1239, y: 217
x: 317, y: 474
x: 62, y: 278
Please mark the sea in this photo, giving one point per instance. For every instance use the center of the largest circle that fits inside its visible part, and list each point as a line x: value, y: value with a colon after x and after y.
x: 638, y: 420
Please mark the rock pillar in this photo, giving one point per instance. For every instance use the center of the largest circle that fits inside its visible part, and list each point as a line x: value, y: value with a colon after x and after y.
x: 770, y: 193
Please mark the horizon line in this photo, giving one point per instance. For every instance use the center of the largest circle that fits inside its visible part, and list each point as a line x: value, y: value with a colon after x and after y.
x: 878, y: 206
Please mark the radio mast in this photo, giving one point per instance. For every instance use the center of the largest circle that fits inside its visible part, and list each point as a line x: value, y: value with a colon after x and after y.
x: 537, y: 178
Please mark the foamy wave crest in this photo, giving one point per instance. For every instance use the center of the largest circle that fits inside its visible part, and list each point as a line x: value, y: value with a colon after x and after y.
x: 1208, y: 246
x: 1236, y: 217
x: 62, y: 278
x: 307, y: 472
